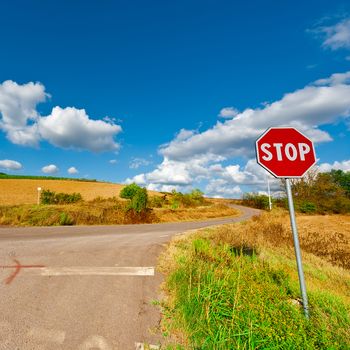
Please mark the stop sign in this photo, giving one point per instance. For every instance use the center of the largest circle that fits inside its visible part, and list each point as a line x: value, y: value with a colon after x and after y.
x: 285, y: 152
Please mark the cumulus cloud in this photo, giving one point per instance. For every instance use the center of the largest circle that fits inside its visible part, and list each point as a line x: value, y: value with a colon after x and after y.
x: 72, y: 128
x: 334, y: 79
x: 192, y: 156
x: 113, y: 161
x: 10, y: 164
x: 72, y: 170
x: 68, y: 128
x: 219, y: 188
x: 343, y: 165
x: 305, y: 109
x: 18, y: 111
x: 167, y: 173
x: 50, y: 169
x: 228, y: 112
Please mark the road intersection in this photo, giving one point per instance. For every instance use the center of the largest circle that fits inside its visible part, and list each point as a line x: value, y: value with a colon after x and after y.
x: 84, y: 287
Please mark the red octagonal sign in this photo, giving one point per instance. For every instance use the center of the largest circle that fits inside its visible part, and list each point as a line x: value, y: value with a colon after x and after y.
x: 285, y: 152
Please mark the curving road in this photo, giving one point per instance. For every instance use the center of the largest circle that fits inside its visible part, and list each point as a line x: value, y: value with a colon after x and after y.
x: 84, y: 287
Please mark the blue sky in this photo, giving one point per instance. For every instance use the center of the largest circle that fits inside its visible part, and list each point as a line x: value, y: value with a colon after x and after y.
x: 170, y: 94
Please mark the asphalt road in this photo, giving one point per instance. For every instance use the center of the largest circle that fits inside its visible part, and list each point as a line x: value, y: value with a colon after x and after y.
x: 84, y: 287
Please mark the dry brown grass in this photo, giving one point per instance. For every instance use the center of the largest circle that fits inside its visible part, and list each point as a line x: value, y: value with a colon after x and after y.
x: 96, y: 212
x: 324, y: 240
x: 24, y: 191
x: 102, y: 211
x: 327, y: 237
x: 192, y: 214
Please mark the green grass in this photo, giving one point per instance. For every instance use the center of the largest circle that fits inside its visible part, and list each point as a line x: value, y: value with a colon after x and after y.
x: 33, y: 177
x: 223, y: 297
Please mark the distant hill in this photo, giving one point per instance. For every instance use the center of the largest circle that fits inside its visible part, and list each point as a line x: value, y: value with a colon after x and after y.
x: 33, y: 177
x: 24, y: 190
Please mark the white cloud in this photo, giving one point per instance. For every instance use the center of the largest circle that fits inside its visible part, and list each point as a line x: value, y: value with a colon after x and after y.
x: 228, y: 112
x: 72, y: 128
x: 69, y: 128
x: 343, y: 165
x: 337, y: 36
x: 50, y: 169
x: 167, y: 173
x: 184, y: 134
x: 72, y: 170
x: 113, y: 161
x: 10, y: 164
x: 335, y: 79
x: 305, y: 109
x: 194, y: 157
x: 18, y: 111
x: 219, y: 188
x: 135, y: 163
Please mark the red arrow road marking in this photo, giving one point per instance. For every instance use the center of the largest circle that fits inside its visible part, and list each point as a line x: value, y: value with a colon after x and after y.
x: 17, y: 268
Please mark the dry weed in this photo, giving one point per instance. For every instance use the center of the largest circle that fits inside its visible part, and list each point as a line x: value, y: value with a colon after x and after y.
x: 192, y: 214
x: 327, y: 237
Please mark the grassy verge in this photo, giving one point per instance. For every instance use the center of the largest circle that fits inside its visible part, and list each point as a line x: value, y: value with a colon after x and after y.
x: 102, y: 212
x: 236, y: 287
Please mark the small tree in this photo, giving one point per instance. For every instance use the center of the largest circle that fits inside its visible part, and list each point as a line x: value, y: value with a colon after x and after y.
x: 129, y: 191
x: 139, y: 201
x: 138, y: 197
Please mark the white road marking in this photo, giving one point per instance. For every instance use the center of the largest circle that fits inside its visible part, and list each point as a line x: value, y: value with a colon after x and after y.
x: 95, y: 342
x: 143, y: 346
x: 94, y: 271
x: 47, y: 335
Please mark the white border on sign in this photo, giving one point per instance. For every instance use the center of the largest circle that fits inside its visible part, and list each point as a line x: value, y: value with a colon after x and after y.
x: 271, y: 172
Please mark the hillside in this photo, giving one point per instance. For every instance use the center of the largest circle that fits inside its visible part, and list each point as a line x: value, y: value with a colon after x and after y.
x: 24, y: 191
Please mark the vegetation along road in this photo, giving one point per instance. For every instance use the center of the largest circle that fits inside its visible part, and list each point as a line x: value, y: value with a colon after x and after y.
x: 84, y: 287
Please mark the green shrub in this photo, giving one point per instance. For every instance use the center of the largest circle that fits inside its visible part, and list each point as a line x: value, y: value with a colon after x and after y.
x: 139, y: 200
x: 50, y: 197
x: 156, y: 201
x: 307, y: 207
x: 138, y: 197
x: 65, y: 219
x: 175, y: 205
x: 255, y: 200
x: 193, y: 199
x: 129, y: 191
x: 47, y: 197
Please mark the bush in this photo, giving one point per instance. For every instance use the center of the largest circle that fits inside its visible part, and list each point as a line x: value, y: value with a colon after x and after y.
x: 323, y: 193
x: 65, y: 219
x: 47, y: 197
x: 259, y: 201
x: 192, y: 199
x: 307, y: 207
x: 138, y: 197
x: 156, y: 201
x: 139, y: 200
x: 50, y: 197
x: 129, y: 191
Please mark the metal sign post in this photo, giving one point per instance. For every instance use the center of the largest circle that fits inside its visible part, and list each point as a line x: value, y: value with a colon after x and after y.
x: 286, y: 153
x: 269, y: 193
x: 297, y: 249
